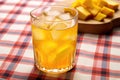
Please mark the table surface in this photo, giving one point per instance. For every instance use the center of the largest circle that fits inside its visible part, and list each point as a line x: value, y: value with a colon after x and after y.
x: 97, y: 56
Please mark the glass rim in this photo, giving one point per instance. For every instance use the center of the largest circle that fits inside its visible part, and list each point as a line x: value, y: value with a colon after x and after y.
x: 35, y: 17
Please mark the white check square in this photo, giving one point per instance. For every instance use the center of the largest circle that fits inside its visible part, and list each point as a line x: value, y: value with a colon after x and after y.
x: 85, y: 61
x: 115, y: 66
x: 23, y: 18
x: 116, y: 39
x: 32, y: 2
x: 5, y: 49
x: 88, y: 47
x: 114, y: 78
x: 27, y: 9
x: 115, y: 51
x: 24, y: 68
x: 6, y: 7
x: 3, y: 15
x: 1, y: 62
x: 17, y: 27
x: 13, y: 1
x: 29, y: 53
x: 10, y: 37
x: 81, y: 76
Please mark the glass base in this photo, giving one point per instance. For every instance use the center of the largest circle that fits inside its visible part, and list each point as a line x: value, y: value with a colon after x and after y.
x: 55, y: 71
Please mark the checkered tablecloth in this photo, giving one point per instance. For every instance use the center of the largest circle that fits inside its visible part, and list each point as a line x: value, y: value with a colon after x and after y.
x: 97, y: 56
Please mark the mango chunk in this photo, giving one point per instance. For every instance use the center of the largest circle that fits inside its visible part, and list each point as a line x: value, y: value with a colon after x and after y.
x: 80, y: 1
x: 88, y: 3
x: 75, y: 4
x: 107, y: 11
x: 102, y: 3
x: 109, y: 3
x: 91, y: 7
x: 100, y: 16
x: 94, y: 10
x: 96, y: 2
x: 112, y: 4
x: 83, y: 13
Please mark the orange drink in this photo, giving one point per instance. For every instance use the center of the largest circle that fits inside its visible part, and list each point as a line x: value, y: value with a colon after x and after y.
x: 54, y: 35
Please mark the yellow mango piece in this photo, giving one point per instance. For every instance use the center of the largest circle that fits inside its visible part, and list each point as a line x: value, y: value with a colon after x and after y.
x: 83, y: 13
x: 91, y: 6
x: 75, y: 4
x: 100, y: 16
x: 102, y: 3
x: 96, y: 2
x: 112, y: 4
x: 80, y: 1
x: 94, y: 10
x: 109, y: 3
x: 88, y: 3
x: 107, y: 11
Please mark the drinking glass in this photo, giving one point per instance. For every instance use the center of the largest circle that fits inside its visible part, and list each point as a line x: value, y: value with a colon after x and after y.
x: 54, y: 36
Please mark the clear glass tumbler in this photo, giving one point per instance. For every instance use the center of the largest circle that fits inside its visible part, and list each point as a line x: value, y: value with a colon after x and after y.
x: 54, y: 35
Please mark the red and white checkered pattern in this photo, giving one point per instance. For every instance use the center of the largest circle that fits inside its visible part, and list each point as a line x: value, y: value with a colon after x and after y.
x: 97, y: 56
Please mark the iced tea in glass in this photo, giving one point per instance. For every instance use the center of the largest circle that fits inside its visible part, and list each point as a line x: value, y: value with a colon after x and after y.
x: 54, y: 35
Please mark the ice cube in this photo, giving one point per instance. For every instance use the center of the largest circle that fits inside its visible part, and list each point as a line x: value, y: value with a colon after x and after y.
x: 65, y: 16
x: 68, y: 19
x: 59, y: 26
x: 50, y: 18
x: 58, y: 53
x: 39, y: 20
x: 53, y: 13
x: 58, y: 31
x: 41, y: 24
x: 55, y: 34
x: 41, y: 16
x: 48, y: 46
x: 40, y: 34
x: 63, y: 51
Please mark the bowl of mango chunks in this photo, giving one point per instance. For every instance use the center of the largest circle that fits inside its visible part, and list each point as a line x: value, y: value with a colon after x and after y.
x: 97, y: 16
